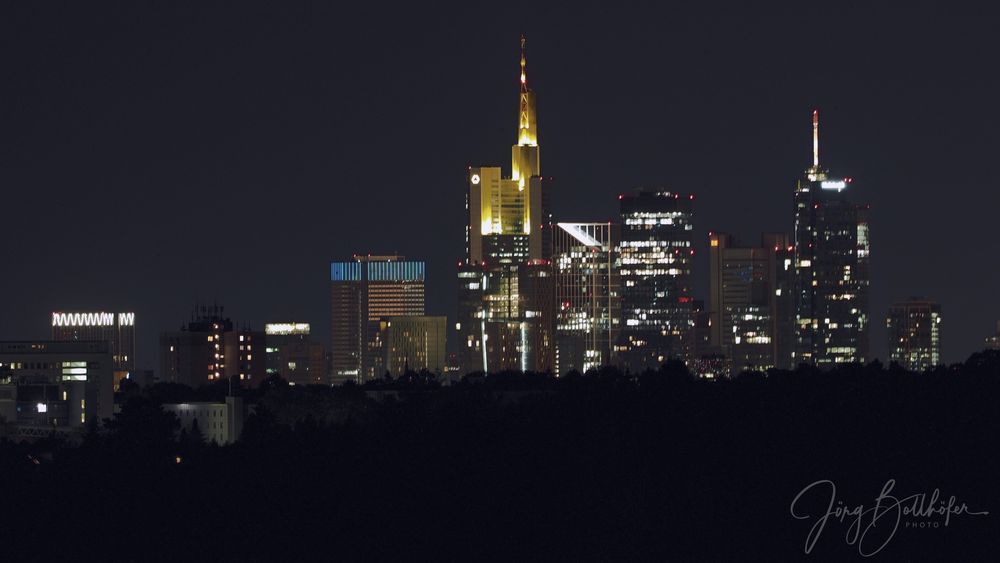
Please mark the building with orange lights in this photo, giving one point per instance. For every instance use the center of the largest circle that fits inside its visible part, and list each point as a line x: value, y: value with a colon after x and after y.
x: 363, y: 292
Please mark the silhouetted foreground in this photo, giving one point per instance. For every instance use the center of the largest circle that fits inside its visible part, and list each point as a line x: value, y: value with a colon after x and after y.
x: 511, y: 466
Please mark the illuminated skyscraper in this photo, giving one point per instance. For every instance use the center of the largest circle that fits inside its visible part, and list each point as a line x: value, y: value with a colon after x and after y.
x: 502, y: 324
x: 745, y: 292
x: 654, y: 257
x: 831, y: 268
x: 364, y: 291
x: 588, y: 300
x: 507, y: 216
x: 915, y: 334
x: 116, y: 328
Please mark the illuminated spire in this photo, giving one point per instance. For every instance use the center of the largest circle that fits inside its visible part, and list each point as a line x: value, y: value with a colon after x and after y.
x: 524, y: 63
x: 526, y: 132
x: 815, y: 173
x: 524, y: 154
x: 815, y: 135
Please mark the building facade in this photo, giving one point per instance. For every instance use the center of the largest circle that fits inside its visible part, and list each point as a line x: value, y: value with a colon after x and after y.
x: 588, y: 299
x: 537, y: 298
x: 654, y: 262
x: 914, y: 327
x: 415, y: 343
x: 364, y: 291
x: 211, y: 348
x: 293, y: 355
x: 745, y: 298
x: 115, y: 328
x: 56, y: 383
x: 831, y: 268
x: 219, y: 423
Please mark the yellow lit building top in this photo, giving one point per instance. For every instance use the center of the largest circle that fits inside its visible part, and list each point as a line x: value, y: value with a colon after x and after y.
x: 508, y: 206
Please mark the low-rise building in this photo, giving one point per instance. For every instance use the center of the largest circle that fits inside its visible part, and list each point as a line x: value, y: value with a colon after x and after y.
x: 221, y: 423
x: 56, y: 384
x: 993, y: 342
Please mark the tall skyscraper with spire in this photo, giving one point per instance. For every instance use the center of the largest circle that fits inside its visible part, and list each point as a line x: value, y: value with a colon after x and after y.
x: 507, y: 215
x: 831, y: 268
x: 507, y: 250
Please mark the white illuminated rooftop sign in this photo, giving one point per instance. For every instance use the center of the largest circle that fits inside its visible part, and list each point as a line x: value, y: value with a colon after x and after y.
x: 833, y: 184
x: 286, y: 328
x: 92, y: 319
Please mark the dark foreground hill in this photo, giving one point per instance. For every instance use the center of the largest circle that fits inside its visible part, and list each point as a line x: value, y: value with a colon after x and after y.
x: 516, y: 467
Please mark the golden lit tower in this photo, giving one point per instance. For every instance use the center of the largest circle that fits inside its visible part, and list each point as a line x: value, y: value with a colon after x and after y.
x: 504, y: 315
x: 524, y: 155
x: 506, y: 215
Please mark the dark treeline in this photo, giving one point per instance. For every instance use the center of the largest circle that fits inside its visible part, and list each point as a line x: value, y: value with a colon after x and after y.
x: 601, y: 466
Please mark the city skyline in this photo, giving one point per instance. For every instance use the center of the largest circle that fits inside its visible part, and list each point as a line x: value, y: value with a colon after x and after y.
x: 150, y: 281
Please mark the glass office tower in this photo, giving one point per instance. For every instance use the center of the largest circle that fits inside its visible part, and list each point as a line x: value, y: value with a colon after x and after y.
x: 654, y: 262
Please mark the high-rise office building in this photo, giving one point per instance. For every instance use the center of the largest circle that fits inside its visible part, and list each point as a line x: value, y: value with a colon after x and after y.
x: 293, y: 355
x: 744, y: 296
x: 414, y: 343
x: 706, y: 361
x: 915, y: 333
x: 537, y: 292
x: 364, y: 291
x: 831, y: 268
x: 503, y: 322
x: 654, y: 262
x: 470, y: 324
x: 506, y: 215
x: 701, y: 343
x: 588, y: 299
x: 785, y: 327
x: 116, y: 328
x: 46, y: 384
x: 506, y: 316
x: 210, y: 348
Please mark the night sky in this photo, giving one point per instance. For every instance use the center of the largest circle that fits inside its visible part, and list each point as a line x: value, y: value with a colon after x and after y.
x: 155, y: 155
